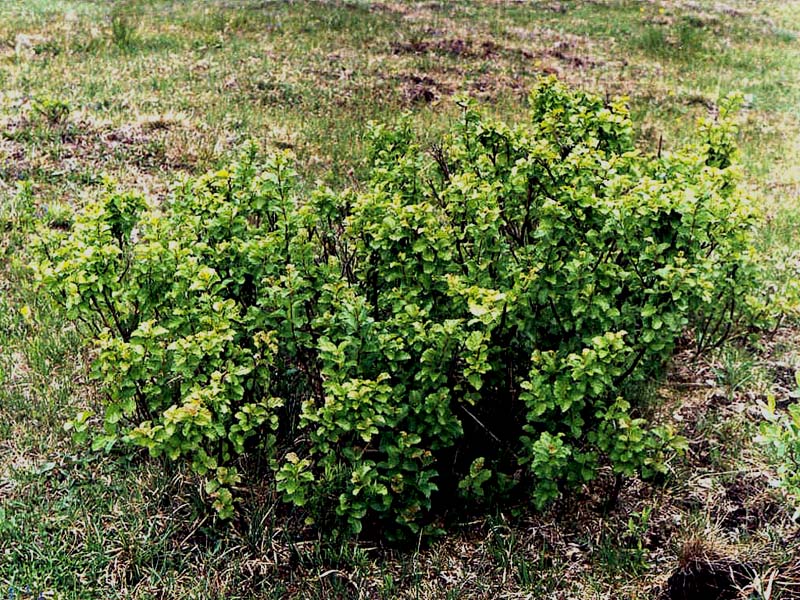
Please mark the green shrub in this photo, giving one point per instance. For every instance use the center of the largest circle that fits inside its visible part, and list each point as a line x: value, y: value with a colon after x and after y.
x: 465, y: 325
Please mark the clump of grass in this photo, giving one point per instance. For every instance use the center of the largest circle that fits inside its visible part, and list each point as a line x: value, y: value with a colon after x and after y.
x: 653, y: 40
x: 785, y: 35
x: 735, y: 369
x: 685, y: 39
x: 123, y: 34
x: 707, y: 570
x: 506, y: 550
x: 691, y: 35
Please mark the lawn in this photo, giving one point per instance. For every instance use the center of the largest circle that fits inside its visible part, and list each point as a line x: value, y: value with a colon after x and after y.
x: 145, y: 92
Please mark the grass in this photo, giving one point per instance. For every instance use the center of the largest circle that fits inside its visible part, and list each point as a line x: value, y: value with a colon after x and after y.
x: 143, y: 91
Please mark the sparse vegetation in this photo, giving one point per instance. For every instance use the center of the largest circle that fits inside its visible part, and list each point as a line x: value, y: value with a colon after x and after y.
x: 154, y: 91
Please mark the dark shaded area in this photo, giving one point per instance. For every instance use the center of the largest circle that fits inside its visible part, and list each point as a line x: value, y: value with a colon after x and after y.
x: 708, y: 578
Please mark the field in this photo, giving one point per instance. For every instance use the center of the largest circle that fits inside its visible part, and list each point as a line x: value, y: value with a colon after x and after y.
x: 147, y: 91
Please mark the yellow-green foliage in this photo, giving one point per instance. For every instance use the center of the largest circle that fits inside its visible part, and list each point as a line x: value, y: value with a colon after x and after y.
x: 464, y: 324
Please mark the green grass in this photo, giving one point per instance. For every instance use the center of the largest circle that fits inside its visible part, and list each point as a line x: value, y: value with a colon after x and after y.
x: 146, y: 90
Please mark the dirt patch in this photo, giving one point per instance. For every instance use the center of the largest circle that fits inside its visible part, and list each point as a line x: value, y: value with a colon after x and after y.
x: 725, y: 9
x: 87, y: 144
x: 565, y: 52
x: 455, y: 47
x: 395, y: 8
x: 747, y: 504
x: 784, y: 377
x: 571, y: 52
x: 489, y: 86
x: 700, y: 100
x: 708, y: 578
x: 421, y: 89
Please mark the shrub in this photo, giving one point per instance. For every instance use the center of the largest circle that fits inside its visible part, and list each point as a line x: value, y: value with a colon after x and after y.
x: 465, y: 325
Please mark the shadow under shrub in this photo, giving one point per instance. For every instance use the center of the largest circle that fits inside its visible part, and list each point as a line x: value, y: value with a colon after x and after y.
x: 464, y: 325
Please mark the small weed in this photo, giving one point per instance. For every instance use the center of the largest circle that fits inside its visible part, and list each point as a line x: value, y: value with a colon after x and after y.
x: 54, y: 110
x: 626, y: 552
x: 47, y: 47
x: 17, y: 210
x: 780, y: 437
x: 58, y: 215
x: 388, y: 588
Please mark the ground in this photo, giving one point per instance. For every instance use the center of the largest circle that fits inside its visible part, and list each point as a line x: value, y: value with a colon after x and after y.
x: 146, y: 91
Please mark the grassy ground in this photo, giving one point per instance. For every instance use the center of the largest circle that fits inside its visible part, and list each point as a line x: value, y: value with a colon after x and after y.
x: 145, y: 90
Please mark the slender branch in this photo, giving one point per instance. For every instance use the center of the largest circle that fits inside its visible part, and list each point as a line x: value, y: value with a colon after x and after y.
x: 478, y: 421
x: 555, y: 314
